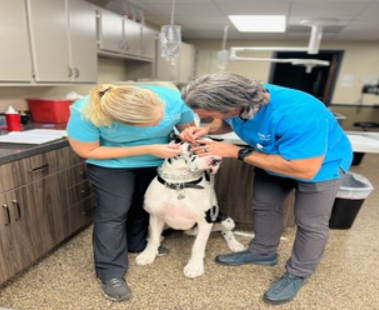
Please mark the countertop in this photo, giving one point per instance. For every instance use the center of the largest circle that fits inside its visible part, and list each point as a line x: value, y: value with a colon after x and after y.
x: 10, y: 151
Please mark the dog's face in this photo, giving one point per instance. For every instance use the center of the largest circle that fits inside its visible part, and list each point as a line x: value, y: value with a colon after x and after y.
x: 188, y: 161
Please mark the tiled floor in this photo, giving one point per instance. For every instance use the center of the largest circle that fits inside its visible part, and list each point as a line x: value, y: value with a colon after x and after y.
x: 347, y: 277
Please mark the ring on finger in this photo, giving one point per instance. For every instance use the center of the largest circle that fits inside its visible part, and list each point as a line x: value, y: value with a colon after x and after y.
x: 205, y: 150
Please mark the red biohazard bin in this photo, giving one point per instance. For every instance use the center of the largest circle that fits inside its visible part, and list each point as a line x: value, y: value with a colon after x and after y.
x: 49, y: 110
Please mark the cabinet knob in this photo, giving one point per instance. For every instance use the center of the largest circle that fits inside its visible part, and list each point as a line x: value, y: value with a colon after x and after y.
x: 69, y: 72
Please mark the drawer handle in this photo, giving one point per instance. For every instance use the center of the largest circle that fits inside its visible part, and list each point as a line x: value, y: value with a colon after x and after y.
x: 15, y: 202
x: 8, y: 215
x: 38, y: 168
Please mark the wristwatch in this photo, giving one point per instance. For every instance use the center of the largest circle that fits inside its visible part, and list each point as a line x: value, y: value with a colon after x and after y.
x: 242, y: 153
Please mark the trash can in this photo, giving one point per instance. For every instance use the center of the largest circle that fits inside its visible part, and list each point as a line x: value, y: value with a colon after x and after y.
x: 352, y: 193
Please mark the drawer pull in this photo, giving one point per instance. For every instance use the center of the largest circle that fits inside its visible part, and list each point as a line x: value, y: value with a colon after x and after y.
x: 38, y: 168
x: 15, y: 202
x: 8, y: 215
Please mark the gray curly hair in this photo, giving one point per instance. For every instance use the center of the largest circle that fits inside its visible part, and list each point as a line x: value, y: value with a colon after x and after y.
x: 222, y: 92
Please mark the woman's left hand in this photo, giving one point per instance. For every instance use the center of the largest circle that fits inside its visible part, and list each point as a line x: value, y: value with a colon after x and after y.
x: 207, y: 147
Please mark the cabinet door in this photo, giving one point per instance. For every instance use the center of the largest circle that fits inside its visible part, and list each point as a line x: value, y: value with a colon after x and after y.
x: 111, y: 32
x: 132, y: 37
x: 21, y: 241
x: 15, y: 61
x: 45, y: 197
x: 148, y: 43
x: 83, y: 42
x: 49, y: 39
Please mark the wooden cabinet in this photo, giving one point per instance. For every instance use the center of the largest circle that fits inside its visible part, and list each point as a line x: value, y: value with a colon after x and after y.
x: 44, y: 199
x: 80, y: 199
x: 63, y: 40
x: 235, y: 200
x: 182, y: 70
x: 15, y: 61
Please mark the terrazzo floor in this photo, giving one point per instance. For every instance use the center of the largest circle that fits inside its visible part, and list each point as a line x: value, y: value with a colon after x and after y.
x: 347, y: 278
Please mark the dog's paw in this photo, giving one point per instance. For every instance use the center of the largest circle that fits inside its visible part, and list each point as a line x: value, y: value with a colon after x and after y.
x: 235, y: 246
x: 194, y: 268
x: 232, y: 243
x: 145, y: 257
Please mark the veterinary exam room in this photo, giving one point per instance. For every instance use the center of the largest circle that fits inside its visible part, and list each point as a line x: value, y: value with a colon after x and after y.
x: 239, y: 141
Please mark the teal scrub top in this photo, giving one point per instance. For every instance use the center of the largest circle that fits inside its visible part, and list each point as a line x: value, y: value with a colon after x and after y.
x: 296, y: 125
x: 117, y: 134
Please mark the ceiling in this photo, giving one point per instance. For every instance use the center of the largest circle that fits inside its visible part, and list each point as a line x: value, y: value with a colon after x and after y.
x: 205, y: 19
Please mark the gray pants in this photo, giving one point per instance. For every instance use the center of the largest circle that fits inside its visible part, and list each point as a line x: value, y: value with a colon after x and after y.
x: 313, y: 206
x: 120, y: 223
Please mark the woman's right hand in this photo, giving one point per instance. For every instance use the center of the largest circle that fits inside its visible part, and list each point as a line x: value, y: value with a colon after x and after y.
x: 193, y: 133
x: 165, y: 150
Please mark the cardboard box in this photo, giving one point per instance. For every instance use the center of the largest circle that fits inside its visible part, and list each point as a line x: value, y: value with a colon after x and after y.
x: 49, y: 110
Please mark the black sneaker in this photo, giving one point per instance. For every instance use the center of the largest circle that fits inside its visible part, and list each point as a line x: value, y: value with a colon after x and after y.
x: 116, y: 289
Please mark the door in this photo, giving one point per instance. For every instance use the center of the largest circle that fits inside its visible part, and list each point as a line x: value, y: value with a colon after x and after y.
x: 319, y: 81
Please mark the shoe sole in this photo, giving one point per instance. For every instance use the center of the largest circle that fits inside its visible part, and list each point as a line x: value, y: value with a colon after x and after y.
x: 261, y: 263
x: 127, y: 297
x: 276, y: 302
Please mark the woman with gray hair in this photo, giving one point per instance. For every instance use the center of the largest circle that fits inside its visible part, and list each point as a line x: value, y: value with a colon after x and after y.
x: 295, y: 143
x: 123, y: 133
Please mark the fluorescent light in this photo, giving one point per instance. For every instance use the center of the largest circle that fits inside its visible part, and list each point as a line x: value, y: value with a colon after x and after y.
x: 259, y: 23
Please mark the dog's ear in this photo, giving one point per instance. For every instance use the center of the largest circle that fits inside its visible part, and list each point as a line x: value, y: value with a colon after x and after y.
x: 173, y: 137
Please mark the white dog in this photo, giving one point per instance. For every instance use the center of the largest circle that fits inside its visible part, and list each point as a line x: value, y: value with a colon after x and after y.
x: 182, y: 196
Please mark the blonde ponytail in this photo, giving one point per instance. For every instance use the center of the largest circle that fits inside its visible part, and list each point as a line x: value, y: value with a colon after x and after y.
x: 124, y: 104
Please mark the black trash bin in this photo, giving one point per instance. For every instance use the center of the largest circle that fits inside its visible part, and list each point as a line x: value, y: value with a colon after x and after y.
x: 352, y: 193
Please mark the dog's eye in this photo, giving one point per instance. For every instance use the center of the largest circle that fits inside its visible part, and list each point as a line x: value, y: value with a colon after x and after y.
x: 169, y: 160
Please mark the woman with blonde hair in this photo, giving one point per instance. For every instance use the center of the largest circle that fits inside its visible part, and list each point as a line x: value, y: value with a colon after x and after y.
x: 122, y: 132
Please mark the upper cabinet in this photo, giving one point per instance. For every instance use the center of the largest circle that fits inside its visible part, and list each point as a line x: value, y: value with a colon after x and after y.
x: 15, y: 60
x: 148, y: 42
x: 63, y: 40
x: 123, y: 37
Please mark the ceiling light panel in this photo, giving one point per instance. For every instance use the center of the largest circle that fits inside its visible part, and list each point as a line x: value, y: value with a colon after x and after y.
x: 259, y: 23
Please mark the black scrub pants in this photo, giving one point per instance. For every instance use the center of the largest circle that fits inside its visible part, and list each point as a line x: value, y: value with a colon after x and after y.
x: 120, y: 222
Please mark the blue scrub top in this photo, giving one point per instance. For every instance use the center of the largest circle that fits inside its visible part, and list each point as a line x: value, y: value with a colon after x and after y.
x: 117, y: 134
x: 296, y: 125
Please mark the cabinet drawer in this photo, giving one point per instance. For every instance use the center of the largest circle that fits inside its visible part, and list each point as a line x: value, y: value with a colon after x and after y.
x: 79, y: 192
x: 81, y: 214
x: 9, y: 177
x: 76, y: 175
x: 38, y: 166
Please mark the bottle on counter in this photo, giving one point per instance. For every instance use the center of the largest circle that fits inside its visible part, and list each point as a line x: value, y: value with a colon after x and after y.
x: 12, y: 118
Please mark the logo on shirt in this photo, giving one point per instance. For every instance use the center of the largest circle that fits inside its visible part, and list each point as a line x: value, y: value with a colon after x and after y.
x: 264, y: 137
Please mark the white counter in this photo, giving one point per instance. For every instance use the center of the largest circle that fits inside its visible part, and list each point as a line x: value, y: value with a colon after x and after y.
x: 362, y: 142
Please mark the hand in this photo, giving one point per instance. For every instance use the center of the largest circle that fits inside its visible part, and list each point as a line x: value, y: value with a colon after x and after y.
x: 206, y: 148
x: 192, y: 133
x: 165, y: 150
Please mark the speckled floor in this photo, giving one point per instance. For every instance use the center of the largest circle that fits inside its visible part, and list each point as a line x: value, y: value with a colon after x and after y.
x: 347, y: 277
